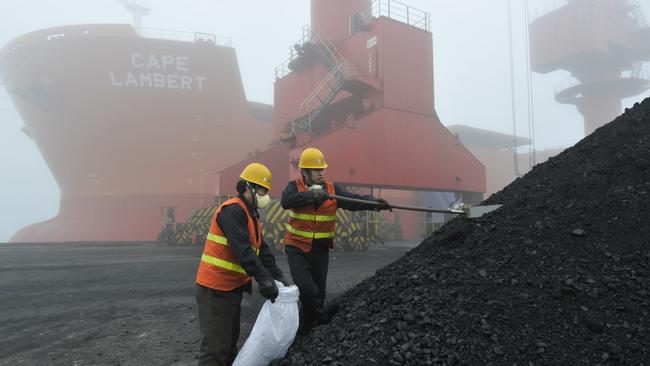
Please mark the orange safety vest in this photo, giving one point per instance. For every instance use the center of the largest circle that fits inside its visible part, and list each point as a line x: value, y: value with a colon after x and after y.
x: 219, y: 269
x: 307, y: 223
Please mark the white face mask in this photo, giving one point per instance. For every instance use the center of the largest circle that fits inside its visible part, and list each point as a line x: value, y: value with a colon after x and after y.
x: 262, y: 201
x: 315, y: 187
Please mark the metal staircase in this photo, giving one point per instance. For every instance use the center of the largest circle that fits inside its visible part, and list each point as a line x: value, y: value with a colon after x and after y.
x: 320, y: 98
x: 340, y: 72
x: 634, y: 10
x: 636, y: 13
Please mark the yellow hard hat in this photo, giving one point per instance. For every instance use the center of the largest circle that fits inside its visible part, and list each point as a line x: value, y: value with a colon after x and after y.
x: 258, y: 174
x: 312, y: 158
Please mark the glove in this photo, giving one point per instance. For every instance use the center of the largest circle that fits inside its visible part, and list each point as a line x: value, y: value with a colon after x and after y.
x: 267, y: 286
x: 319, y: 196
x: 269, y: 290
x: 384, y: 205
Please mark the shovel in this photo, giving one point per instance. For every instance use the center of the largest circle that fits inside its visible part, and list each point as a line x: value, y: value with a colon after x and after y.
x: 470, y: 213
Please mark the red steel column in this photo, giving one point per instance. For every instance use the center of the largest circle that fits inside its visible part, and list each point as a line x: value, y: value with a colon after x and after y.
x: 331, y: 18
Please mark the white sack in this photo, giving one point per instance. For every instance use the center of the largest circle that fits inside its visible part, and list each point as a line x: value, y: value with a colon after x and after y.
x: 274, y: 329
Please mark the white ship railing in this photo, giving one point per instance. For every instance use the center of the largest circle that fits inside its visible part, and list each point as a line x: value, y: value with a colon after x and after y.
x: 401, y: 12
x: 573, y: 82
x: 183, y: 36
x: 151, y: 33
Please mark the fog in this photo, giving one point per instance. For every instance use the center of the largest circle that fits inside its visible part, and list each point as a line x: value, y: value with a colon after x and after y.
x: 471, y: 68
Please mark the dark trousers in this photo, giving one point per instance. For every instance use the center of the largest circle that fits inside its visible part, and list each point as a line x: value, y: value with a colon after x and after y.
x: 219, y: 314
x: 309, y: 273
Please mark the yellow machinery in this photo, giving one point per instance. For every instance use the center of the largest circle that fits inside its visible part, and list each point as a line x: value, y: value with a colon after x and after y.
x: 354, y: 230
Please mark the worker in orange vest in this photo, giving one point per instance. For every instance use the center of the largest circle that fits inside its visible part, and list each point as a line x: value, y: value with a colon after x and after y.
x: 234, y: 253
x: 310, y: 232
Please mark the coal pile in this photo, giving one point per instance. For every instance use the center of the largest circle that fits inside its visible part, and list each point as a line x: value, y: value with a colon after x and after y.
x: 558, y: 276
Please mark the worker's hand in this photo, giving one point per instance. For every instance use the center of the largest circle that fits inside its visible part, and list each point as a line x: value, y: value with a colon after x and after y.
x: 269, y: 290
x: 384, y: 205
x: 319, y: 196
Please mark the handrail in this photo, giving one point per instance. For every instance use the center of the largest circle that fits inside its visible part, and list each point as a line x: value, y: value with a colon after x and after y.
x: 334, y: 55
x: 283, y: 69
x: 634, y: 9
x: 151, y: 33
x: 571, y: 82
x: 340, y: 71
x: 304, y: 107
x: 309, y: 36
x: 176, y: 35
x: 401, y: 12
x: 566, y: 84
x: 339, y: 66
x: 552, y: 5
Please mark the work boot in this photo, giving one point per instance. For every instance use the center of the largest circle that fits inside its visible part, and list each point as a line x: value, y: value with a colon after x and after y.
x: 304, y: 330
x: 332, y: 310
x: 306, y: 323
x: 322, y: 315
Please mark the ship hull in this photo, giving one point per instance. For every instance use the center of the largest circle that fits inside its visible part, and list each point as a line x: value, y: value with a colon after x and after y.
x: 127, y: 125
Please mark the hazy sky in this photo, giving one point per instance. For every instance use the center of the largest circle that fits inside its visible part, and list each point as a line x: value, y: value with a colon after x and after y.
x: 471, y: 64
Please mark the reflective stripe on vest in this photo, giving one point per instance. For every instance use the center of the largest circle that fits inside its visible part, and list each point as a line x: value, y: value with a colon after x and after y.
x: 218, y: 239
x: 223, y: 264
x: 308, y: 217
x: 309, y: 234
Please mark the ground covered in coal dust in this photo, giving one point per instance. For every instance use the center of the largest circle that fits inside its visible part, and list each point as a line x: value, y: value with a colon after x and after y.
x: 559, y: 275
x: 124, y: 303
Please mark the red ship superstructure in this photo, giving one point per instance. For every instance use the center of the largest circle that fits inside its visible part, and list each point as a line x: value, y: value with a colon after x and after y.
x: 359, y: 86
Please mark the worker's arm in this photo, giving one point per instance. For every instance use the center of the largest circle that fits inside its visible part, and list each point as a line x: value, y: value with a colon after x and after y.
x: 233, y: 222
x: 291, y: 198
x: 268, y: 260
x: 353, y: 206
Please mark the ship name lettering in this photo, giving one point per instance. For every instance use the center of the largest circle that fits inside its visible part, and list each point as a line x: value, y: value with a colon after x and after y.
x: 158, y: 71
x: 162, y: 62
x: 158, y: 80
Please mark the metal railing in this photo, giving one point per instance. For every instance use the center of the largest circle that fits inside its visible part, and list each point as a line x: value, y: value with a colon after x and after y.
x: 642, y: 74
x: 571, y: 82
x: 300, y: 125
x: 634, y: 10
x: 632, y: 7
x: 566, y: 84
x: 334, y: 56
x: 183, y: 36
x: 283, y: 69
x: 401, y: 12
x: 548, y: 7
x: 327, y: 86
x: 331, y: 84
x: 152, y: 33
x: 308, y: 36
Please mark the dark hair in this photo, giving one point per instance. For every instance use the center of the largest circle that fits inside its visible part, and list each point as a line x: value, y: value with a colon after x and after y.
x: 241, y: 186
